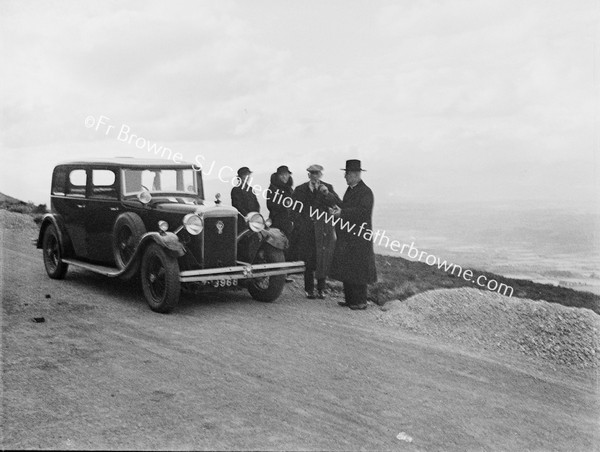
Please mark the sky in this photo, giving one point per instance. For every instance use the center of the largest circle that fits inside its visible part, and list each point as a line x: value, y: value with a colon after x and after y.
x: 442, y: 101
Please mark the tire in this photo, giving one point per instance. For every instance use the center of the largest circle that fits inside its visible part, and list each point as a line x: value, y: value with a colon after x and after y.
x: 269, y: 288
x: 127, y: 233
x: 53, y: 263
x: 160, y: 279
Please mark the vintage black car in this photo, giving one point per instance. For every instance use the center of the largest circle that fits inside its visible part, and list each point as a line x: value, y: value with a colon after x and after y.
x: 126, y: 217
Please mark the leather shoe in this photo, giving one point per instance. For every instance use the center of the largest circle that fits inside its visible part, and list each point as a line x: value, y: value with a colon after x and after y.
x: 343, y: 303
x: 320, y: 295
x: 310, y: 295
x: 356, y: 307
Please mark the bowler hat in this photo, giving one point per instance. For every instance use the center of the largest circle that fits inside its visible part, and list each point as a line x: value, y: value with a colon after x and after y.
x: 243, y: 171
x: 314, y: 168
x: 353, y: 165
x: 283, y: 169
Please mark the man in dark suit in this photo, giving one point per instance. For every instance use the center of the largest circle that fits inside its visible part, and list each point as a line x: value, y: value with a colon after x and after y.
x: 354, y: 259
x: 243, y: 198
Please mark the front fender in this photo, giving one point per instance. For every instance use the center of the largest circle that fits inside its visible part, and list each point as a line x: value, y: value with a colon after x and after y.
x: 275, y: 238
x: 57, y: 221
x: 249, y: 242
x: 168, y: 240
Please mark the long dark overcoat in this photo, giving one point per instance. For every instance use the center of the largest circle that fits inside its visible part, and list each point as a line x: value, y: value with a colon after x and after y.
x: 280, y: 215
x: 245, y: 201
x: 354, y: 259
x: 314, y: 240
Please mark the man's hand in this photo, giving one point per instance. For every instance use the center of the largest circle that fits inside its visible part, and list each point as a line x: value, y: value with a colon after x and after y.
x: 336, y: 211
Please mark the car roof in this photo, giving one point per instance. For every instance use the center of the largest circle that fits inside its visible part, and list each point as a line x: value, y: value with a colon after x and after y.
x: 128, y: 162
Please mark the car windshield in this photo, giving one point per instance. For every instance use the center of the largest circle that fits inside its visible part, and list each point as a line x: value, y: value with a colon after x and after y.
x: 160, y: 180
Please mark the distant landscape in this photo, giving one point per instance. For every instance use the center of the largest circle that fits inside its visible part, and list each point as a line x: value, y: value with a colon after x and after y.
x: 556, y: 246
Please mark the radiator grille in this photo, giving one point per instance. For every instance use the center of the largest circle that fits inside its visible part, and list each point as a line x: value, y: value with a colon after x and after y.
x: 220, y: 245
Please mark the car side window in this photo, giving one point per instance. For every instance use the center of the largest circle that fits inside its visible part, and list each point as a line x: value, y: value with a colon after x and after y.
x: 59, y: 181
x: 103, y: 184
x: 76, y: 183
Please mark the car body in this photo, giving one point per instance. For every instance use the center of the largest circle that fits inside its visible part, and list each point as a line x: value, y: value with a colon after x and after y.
x: 124, y: 217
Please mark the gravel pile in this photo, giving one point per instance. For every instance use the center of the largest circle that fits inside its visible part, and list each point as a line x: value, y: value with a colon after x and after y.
x: 17, y: 221
x: 562, y: 335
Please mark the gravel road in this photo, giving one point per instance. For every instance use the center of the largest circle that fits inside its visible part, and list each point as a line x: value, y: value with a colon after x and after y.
x: 226, y: 372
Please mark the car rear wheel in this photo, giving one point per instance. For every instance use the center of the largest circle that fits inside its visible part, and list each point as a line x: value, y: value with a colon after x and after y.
x: 269, y: 288
x: 53, y: 263
x: 127, y: 233
x: 160, y: 279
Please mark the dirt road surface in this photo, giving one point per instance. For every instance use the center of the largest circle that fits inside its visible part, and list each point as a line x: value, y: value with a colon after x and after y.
x: 227, y: 372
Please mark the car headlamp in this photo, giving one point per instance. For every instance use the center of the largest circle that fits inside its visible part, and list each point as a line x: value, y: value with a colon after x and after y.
x: 163, y: 225
x: 193, y: 223
x: 144, y: 197
x: 256, y: 222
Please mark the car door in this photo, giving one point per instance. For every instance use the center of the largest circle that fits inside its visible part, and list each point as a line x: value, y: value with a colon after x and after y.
x: 103, y: 208
x: 72, y: 207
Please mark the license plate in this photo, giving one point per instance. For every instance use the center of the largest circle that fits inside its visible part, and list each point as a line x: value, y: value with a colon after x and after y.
x: 221, y: 282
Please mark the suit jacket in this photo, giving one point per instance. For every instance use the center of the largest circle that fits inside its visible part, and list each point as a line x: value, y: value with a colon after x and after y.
x: 354, y: 258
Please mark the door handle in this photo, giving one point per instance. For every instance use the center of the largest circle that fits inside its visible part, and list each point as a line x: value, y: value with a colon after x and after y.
x: 81, y: 206
x: 114, y: 209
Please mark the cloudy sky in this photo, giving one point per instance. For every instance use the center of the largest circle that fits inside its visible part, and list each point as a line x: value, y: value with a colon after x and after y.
x: 442, y: 100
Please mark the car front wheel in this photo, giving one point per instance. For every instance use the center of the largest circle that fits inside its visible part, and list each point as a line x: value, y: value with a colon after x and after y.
x: 270, y: 287
x: 53, y: 263
x: 160, y: 279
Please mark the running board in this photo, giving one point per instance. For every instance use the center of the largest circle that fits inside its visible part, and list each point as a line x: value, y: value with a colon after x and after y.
x: 101, y: 269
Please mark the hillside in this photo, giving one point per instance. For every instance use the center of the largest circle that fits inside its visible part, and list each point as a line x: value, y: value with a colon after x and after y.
x: 15, y: 205
x: 7, y: 200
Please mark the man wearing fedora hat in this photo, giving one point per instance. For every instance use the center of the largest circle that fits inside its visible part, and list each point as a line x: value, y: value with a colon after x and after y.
x: 243, y: 197
x: 354, y: 259
x: 280, y: 189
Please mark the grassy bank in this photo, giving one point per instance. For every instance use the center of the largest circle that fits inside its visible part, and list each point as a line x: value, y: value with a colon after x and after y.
x: 400, y: 278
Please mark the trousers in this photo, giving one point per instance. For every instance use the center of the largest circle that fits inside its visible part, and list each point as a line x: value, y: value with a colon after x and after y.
x: 309, y: 281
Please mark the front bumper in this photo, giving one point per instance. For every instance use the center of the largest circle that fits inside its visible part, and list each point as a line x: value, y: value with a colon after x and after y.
x: 243, y: 271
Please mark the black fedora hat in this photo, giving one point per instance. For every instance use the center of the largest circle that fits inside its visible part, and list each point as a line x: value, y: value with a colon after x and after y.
x: 353, y: 165
x: 243, y: 171
x: 283, y: 169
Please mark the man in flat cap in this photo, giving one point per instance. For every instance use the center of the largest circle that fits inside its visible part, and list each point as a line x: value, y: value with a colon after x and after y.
x: 243, y: 198
x: 354, y: 258
x: 313, y: 238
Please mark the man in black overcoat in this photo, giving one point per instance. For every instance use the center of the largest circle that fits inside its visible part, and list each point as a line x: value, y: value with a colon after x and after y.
x: 279, y: 191
x: 243, y: 197
x: 354, y: 259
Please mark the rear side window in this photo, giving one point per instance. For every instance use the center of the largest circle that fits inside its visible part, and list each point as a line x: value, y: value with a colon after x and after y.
x: 59, y: 181
x: 76, y: 183
x: 103, y: 184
